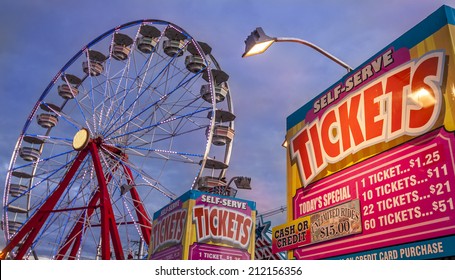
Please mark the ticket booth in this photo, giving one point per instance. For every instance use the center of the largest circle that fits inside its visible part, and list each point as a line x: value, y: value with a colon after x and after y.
x: 204, y: 226
x: 371, y: 160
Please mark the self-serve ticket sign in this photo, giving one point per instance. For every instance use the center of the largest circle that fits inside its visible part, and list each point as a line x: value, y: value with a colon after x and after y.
x: 382, y: 135
x: 203, y: 226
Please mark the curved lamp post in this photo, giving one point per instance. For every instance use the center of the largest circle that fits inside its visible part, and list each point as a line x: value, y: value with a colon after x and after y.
x: 258, y: 42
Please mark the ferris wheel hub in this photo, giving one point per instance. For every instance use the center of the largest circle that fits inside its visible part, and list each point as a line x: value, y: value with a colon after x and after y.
x: 81, y: 139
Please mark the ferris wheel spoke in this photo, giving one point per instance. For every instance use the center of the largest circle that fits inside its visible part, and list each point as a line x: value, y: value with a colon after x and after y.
x: 43, y: 161
x: 48, y: 172
x: 183, y: 155
x: 146, y: 131
x: 79, y: 101
x: 144, y: 91
x: 118, y: 83
x: 146, y: 68
x: 50, y: 223
x: 53, y: 224
x: 148, y: 180
x: 49, y: 139
x: 139, y: 143
x: 169, y: 112
x: 65, y: 117
x: 159, y: 124
x: 142, y: 144
x: 93, y: 80
x: 49, y: 176
x: 161, y: 99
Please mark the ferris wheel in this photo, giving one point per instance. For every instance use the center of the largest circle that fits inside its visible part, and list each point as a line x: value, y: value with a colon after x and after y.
x: 138, y: 116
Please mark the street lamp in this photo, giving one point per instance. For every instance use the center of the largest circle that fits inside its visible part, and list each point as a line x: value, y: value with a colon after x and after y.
x: 258, y: 42
x: 241, y: 183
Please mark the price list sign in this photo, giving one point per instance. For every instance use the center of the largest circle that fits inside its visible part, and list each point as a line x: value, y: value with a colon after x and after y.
x: 406, y: 194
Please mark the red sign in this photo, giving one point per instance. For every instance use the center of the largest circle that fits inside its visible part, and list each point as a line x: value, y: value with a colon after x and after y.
x: 230, y: 226
x: 362, y: 120
x: 406, y: 194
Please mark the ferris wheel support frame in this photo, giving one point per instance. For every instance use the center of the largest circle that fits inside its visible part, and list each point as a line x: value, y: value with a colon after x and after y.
x: 36, y: 222
x: 108, y: 225
x: 143, y: 219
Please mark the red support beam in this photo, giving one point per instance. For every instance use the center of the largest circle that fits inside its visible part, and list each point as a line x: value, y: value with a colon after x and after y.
x: 142, y: 216
x: 75, y: 235
x: 108, y: 223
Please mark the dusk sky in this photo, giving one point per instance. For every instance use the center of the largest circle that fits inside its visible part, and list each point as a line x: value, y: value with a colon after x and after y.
x: 39, y: 37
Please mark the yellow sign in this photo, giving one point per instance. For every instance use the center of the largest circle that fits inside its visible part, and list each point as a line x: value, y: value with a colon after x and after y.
x: 204, y: 226
x: 291, y: 235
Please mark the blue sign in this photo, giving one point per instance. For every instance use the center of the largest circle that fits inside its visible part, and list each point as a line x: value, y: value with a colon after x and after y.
x: 423, y: 250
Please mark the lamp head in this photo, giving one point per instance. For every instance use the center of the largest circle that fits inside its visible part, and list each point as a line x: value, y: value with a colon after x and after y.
x: 285, y: 144
x: 258, y: 42
x: 243, y: 183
